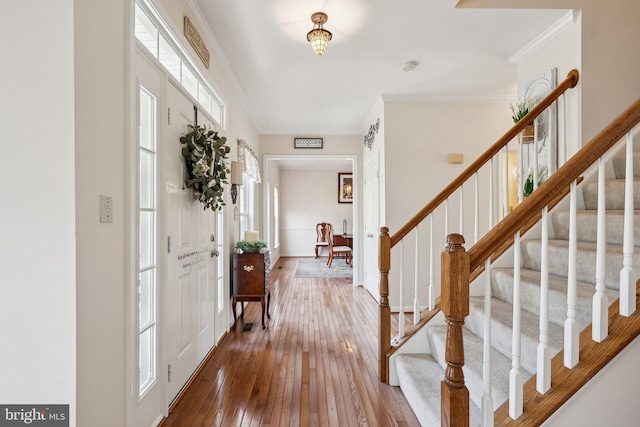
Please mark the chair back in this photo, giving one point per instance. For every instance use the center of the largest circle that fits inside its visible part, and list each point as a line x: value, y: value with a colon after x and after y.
x: 323, y: 232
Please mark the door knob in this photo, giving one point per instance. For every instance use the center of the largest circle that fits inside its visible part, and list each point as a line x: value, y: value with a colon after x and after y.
x: 370, y: 236
x: 214, y: 253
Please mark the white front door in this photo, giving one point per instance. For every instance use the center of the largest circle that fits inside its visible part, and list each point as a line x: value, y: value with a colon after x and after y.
x: 371, y: 227
x: 191, y: 261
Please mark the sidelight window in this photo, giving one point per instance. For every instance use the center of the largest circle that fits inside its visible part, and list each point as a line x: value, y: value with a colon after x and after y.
x: 147, y: 261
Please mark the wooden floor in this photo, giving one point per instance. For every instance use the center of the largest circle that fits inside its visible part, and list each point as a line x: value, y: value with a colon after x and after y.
x: 315, y: 364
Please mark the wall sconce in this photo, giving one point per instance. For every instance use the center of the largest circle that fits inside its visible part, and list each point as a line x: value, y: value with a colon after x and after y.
x: 236, y: 179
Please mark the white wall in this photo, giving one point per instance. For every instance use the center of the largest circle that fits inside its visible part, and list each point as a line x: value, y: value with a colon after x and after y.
x: 37, y: 254
x: 609, y: 399
x: 309, y: 197
x: 101, y: 143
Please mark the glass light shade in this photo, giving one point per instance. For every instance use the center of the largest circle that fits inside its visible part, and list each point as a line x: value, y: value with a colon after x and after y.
x: 319, y: 39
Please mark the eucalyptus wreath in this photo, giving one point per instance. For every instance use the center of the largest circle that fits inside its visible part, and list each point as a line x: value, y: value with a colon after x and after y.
x: 204, y: 152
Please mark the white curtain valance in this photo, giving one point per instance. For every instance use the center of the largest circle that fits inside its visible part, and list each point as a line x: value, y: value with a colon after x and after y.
x: 249, y: 160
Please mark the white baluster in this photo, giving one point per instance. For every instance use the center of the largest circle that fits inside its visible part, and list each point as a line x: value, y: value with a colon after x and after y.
x: 627, y: 274
x: 401, y: 314
x: 462, y: 209
x: 491, y: 201
x: 515, y: 376
x: 562, y: 133
x: 476, y: 211
x: 521, y: 175
x: 600, y: 327
x: 505, y: 203
x: 432, y: 298
x: 535, y: 157
x: 446, y: 218
x: 416, y: 296
x: 487, y: 400
x: 543, y: 375
x: 570, y: 325
x: 396, y: 340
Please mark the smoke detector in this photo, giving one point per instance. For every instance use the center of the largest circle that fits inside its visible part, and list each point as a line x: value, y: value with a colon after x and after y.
x: 409, y: 66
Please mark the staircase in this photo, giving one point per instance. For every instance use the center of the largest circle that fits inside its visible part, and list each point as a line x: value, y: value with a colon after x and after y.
x: 420, y: 375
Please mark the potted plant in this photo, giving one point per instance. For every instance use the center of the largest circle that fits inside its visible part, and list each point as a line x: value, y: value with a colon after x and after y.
x: 527, y: 188
x: 520, y: 110
x: 204, y: 153
x: 246, y: 247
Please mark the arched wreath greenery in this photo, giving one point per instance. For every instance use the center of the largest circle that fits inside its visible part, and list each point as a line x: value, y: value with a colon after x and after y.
x: 204, y: 152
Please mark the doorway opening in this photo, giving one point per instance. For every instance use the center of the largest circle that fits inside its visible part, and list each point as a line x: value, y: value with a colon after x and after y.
x: 308, y: 193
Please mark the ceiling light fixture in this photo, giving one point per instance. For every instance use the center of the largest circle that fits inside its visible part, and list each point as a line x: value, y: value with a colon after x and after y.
x: 318, y: 36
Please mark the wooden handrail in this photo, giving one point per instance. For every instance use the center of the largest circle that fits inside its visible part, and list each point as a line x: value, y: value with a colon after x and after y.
x: 568, y: 83
x: 556, y: 183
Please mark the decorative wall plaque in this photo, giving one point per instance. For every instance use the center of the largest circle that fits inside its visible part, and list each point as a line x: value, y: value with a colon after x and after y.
x: 371, y: 135
x: 192, y: 34
x: 307, y: 142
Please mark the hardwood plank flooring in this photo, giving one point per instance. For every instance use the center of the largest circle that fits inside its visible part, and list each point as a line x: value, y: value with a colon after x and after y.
x: 314, y: 365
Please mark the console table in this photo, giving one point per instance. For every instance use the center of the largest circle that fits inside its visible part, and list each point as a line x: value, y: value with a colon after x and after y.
x: 250, y: 281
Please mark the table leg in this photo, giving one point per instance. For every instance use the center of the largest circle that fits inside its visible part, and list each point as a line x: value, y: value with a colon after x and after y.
x: 233, y: 308
x: 268, y: 303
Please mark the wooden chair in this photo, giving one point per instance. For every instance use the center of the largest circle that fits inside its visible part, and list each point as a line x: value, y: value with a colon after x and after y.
x: 323, y: 236
x: 339, y: 250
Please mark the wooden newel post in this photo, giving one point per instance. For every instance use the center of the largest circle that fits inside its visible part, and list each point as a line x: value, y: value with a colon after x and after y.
x: 384, y: 311
x: 455, y: 307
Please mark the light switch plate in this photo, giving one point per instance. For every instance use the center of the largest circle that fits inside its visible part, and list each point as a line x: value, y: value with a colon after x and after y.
x: 106, y: 209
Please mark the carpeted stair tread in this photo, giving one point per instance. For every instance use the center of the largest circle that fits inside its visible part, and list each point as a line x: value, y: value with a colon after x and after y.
x: 420, y: 376
x: 501, y: 330
x: 473, y: 364
x: 614, y: 194
x: 586, y: 260
x: 586, y: 221
x: 502, y: 289
x: 619, y: 165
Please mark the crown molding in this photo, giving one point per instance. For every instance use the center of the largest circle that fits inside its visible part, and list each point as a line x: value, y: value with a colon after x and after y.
x: 551, y: 33
x: 448, y: 98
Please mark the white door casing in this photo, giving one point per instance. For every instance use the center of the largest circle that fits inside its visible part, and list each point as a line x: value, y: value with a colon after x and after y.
x: 371, y: 227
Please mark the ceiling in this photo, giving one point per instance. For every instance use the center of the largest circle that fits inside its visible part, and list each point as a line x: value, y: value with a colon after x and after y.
x: 462, y: 54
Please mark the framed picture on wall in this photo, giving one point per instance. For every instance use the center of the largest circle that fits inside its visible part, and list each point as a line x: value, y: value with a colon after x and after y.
x: 345, y: 187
